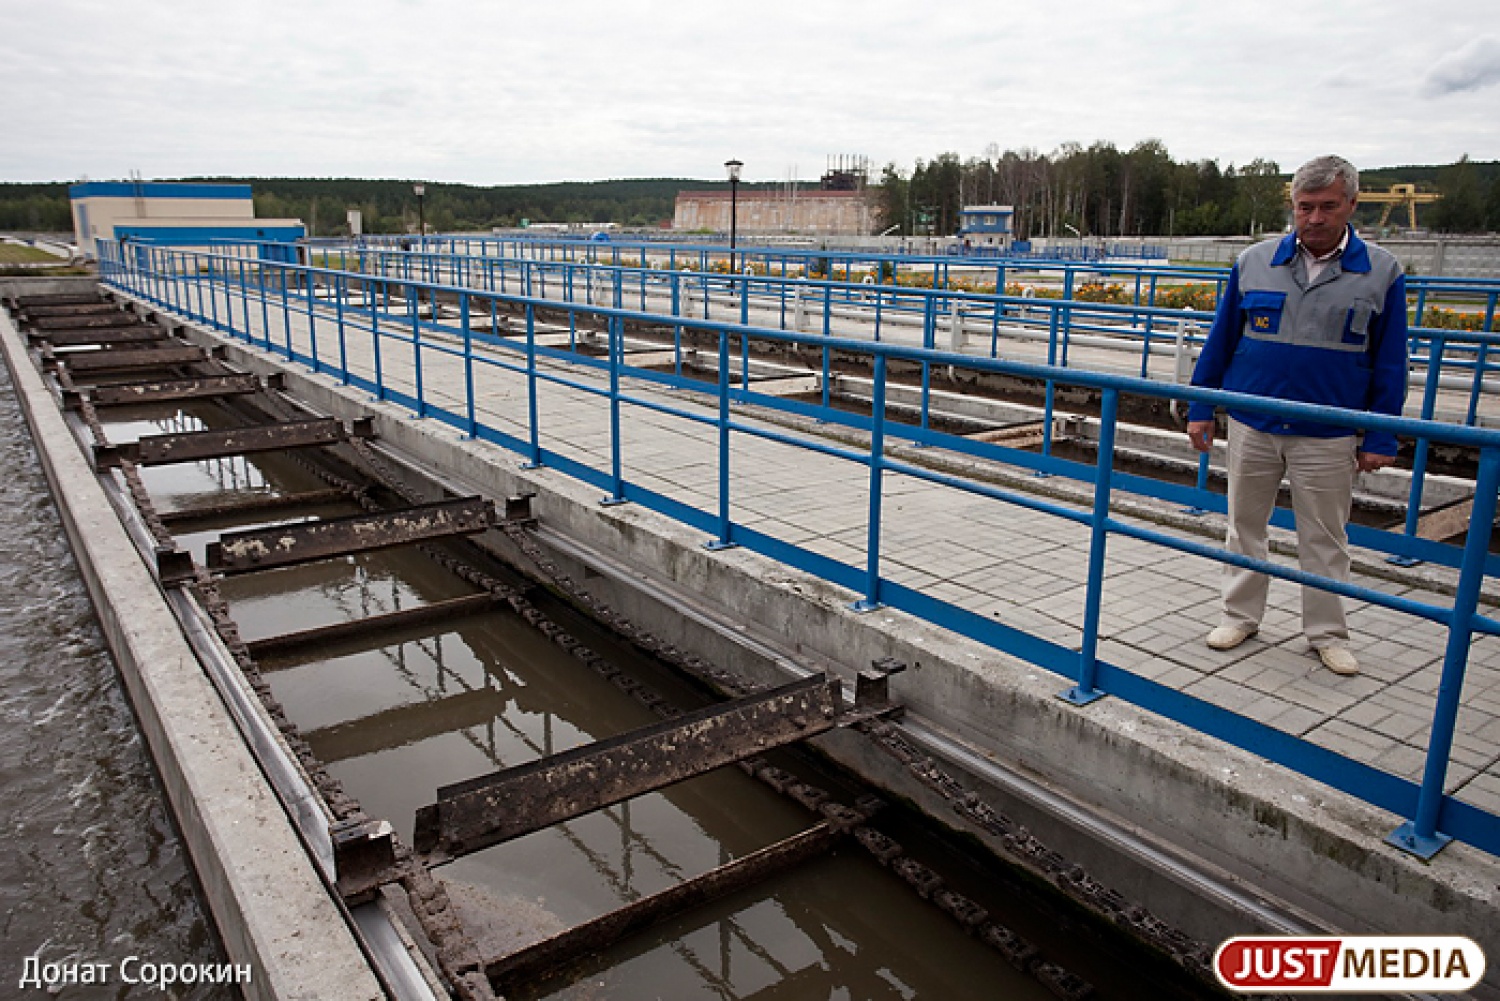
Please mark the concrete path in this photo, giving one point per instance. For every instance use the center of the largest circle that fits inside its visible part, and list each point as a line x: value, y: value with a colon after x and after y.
x: 1022, y: 568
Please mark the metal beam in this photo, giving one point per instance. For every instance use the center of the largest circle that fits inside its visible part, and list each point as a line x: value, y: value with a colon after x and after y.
x: 72, y: 305
x: 169, y: 390
x: 253, y: 506
x: 372, y: 630
x: 54, y: 299
x: 191, y: 446
x: 263, y: 549
x: 112, y: 358
x: 537, y: 960
x: 107, y: 318
x: 135, y: 333
x: 507, y: 804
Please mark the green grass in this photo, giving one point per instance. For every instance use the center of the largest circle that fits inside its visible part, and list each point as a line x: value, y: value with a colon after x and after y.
x: 15, y: 253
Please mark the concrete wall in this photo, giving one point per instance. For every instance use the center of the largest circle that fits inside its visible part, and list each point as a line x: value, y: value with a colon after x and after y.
x: 815, y: 212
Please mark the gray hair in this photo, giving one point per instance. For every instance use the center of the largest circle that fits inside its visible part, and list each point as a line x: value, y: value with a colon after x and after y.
x: 1321, y: 171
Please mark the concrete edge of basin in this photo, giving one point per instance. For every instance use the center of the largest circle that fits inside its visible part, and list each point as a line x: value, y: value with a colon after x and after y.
x: 269, y: 905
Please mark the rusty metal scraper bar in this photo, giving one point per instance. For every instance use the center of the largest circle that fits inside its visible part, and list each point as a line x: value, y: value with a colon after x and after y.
x: 541, y: 958
x: 262, y: 549
x: 168, y: 390
x: 106, y: 359
x: 191, y: 446
x: 71, y: 337
x: 507, y: 804
x: 373, y: 629
x: 106, y: 317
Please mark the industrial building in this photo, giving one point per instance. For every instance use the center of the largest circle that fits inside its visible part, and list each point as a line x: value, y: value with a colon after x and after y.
x: 179, y: 214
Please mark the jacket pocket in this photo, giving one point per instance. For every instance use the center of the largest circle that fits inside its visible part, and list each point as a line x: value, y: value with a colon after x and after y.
x: 1263, y: 312
x: 1357, y: 322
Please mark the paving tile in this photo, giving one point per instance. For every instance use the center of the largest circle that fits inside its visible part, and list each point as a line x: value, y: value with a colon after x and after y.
x: 1351, y: 741
x: 1283, y: 715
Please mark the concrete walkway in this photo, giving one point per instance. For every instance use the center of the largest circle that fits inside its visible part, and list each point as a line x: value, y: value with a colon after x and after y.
x: 1022, y: 568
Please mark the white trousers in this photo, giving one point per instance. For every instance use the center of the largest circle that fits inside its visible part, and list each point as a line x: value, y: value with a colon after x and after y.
x: 1321, y: 473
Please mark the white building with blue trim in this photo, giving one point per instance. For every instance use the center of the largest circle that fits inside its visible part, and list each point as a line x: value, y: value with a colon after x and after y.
x: 172, y: 213
x: 986, y: 225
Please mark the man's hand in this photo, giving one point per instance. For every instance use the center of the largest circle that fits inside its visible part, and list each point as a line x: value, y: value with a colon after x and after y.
x: 1201, y: 434
x: 1369, y: 462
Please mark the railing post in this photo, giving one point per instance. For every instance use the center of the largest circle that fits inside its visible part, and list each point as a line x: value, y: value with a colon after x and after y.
x: 827, y: 352
x: 244, y: 292
x: 196, y: 288
x: 265, y: 302
x: 1088, y: 660
x: 213, y: 298
x: 929, y: 343
x: 414, y: 301
x: 286, y: 314
x: 676, y: 327
x: 1419, y: 461
x: 466, y: 326
x: 312, y: 323
x: 533, y: 428
x: 871, y: 600
x: 340, y: 287
x: 1481, y: 358
x: 1050, y: 398
x: 1420, y: 835
x: 385, y: 293
x: 616, y: 353
x: 724, y: 541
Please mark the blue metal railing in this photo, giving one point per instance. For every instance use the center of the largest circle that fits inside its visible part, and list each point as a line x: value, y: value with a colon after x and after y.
x: 224, y: 292
x: 1449, y: 357
x: 1061, y: 321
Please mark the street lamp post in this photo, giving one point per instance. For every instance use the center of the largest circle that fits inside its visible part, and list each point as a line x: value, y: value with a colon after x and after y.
x: 421, y: 189
x: 733, y: 166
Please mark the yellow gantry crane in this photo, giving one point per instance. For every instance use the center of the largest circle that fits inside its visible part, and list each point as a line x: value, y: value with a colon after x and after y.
x: 1400, y: 194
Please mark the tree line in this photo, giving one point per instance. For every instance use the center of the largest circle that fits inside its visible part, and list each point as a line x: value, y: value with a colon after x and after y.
x: 1096, y: 191
x: 391, y: 206
x: 1102, y: 192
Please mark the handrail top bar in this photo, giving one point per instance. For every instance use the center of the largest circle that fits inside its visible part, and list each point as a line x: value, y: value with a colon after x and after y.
x: 1187, y: 315
x: 1208, y: 272
x: 1415, y: 427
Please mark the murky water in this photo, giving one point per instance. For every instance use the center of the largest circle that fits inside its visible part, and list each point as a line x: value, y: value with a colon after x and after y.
x: 91, y: 870
x: 397, y: 717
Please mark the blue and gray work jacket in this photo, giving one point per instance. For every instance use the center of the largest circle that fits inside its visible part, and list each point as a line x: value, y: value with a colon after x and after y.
x: 1339, y: 341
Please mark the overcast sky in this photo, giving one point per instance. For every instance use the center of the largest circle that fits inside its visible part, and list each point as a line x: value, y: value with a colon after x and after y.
x: 532, y: 90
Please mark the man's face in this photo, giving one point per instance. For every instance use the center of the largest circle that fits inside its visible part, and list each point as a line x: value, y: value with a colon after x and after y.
x: 1320, y: 215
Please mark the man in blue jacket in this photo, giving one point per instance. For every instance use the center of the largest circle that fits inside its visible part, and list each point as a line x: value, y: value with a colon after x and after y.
x: 1317, y: 317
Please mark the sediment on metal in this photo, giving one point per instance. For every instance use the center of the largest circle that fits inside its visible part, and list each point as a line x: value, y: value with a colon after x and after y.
x: 486, y: 811
x: 287, y: 545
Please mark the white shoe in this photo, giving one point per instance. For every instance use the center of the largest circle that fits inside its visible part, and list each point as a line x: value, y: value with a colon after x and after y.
x: 1229, y: 637
x: 1339, y: 660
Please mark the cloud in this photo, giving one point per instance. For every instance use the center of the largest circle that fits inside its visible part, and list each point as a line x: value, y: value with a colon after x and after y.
x: 1472, y: 67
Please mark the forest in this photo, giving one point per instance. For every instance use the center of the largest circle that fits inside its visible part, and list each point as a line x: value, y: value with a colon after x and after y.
x: 1101, y: 191
x: 1097, y: 190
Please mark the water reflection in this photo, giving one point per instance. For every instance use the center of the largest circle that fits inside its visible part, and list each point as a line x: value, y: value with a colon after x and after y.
x: 395, y: 717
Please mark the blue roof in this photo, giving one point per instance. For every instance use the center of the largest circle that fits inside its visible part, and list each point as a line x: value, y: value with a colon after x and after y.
x: 194, y: 236
x: 157, y: 189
